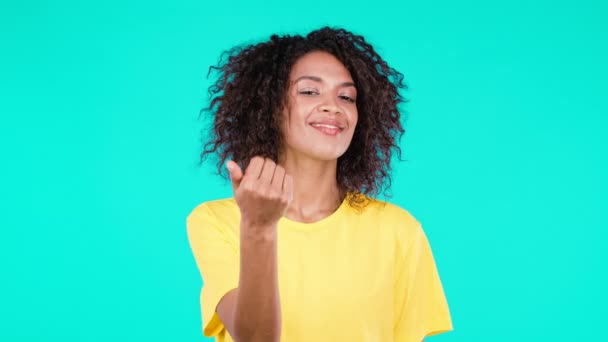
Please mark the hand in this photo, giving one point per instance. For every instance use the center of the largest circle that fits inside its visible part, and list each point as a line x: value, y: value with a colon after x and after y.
x: 263, y: 193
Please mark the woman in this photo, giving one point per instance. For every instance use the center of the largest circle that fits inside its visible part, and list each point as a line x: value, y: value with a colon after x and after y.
x: 303, y: 252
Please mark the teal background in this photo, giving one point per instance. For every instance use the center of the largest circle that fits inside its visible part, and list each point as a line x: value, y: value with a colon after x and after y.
x: 99, y: 134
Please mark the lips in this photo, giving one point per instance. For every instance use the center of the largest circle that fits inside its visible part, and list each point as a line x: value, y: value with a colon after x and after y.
x: 327, y: 129
x: 315, y: 125
x: 328, y: 123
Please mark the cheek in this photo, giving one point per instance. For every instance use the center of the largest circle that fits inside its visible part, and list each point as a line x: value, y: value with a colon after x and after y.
x: 354, y: 119
x: 293, y: 124
x: 299, y: 113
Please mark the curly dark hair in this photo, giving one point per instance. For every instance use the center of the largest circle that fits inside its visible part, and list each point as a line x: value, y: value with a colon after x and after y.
x: 249, y: 94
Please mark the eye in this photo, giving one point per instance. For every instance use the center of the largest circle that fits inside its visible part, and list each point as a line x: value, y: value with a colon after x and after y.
x: 347, y: 98
x: 309, y: 92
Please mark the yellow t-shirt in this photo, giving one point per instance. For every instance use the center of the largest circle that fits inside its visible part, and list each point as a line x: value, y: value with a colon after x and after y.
x: 353, y: 276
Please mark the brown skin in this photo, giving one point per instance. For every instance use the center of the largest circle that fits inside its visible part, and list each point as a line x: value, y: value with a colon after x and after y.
x: 248, y: 99
x: 302, y: 187
x: 252, y: 312
x: 310, y: 156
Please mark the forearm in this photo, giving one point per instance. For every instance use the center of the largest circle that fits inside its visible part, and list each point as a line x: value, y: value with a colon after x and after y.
x: 257, y: 310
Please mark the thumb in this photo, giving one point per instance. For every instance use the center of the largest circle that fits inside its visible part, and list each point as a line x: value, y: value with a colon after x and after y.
x: 236, y: 174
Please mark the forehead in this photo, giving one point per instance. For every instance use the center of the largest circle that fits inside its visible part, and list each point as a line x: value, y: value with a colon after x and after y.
x: 321, y: 64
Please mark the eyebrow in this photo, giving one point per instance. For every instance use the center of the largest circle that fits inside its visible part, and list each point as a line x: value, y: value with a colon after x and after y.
x: 320, y: 80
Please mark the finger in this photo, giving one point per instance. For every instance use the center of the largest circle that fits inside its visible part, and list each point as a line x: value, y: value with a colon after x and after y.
x: 235, y: 171
x: 277, y: 178
x: 254, y: 168
x: 236, y: 174
x: 268, y: 171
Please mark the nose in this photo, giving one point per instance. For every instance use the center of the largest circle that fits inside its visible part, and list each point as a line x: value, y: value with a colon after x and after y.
x: 329, y: 105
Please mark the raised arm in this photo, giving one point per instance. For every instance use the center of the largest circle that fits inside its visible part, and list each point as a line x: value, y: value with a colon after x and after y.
x: 252, y: 312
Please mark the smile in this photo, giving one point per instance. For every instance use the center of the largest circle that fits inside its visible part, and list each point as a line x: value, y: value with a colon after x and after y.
x: 327, y: 129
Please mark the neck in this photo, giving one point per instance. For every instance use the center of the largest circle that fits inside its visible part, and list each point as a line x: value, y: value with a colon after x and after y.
x: 315, y: 189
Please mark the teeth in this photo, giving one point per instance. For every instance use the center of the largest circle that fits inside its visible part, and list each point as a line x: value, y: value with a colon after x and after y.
x: 326, y: 126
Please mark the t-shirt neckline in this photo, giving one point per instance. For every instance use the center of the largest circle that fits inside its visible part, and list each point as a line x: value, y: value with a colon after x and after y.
x: 324, y: 222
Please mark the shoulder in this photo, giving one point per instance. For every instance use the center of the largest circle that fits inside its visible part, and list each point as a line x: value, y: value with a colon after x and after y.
x: 388, y: 212
x: 395, y: 217
x: 216, y: 208
x: 219, y: 213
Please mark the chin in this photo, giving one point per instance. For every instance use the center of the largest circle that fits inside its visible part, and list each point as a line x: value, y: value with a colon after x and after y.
x: 326, y: 155
x: 319, y: 151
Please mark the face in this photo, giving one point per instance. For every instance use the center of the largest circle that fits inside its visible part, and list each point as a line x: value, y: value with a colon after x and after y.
x: 321, y: 115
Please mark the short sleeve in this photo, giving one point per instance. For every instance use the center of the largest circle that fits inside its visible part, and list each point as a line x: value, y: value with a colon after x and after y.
x: 421, y: 308
x: 217, y: 257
